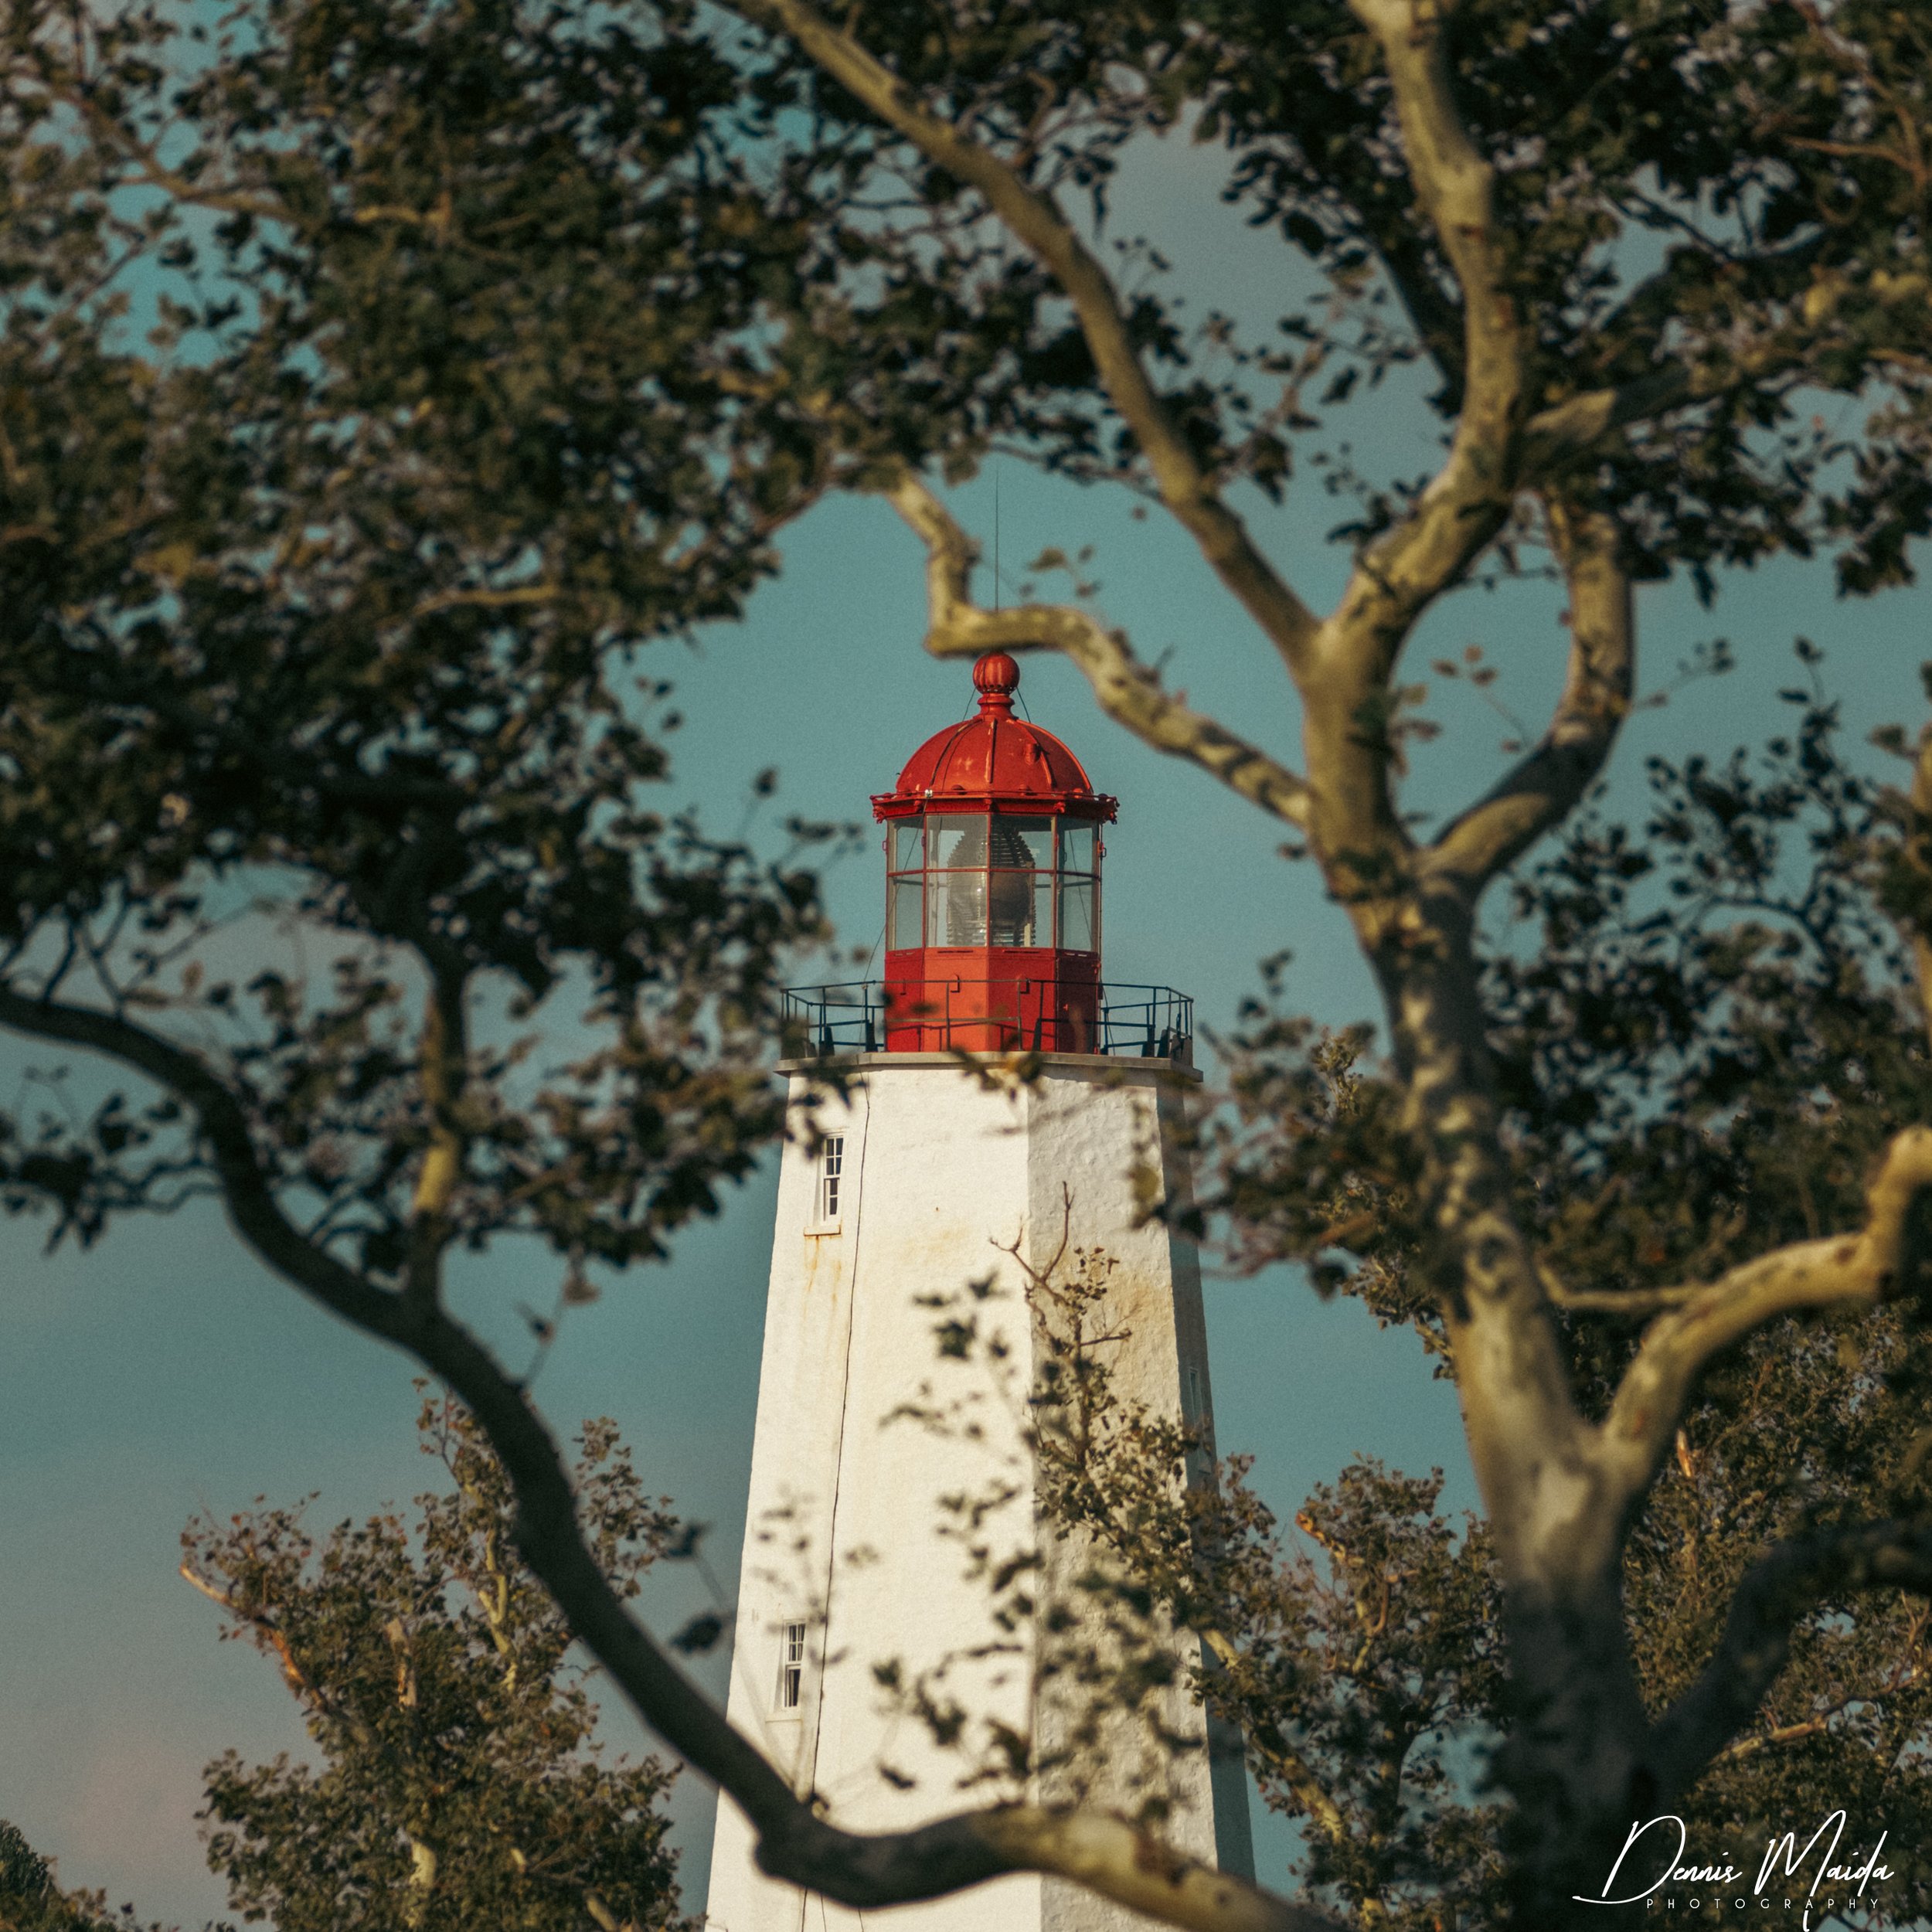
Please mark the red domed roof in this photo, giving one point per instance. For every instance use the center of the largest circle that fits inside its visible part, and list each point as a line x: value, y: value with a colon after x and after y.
x: 994, y: 759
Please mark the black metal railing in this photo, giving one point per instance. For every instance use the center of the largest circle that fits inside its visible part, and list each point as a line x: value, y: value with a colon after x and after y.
x: 848, y: 1019
x: 1144, y: 1023
x: 1150, y: 1023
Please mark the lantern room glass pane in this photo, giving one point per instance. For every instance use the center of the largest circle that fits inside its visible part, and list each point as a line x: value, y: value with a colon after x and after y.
x: 956, y: 896
x: 1077, y: 848
x: 1078, y: 916
x: 956, y: 910
x: 955, y: 838
x: 1025, y: 842
x: 904, y: 912
x: 908, y: 845
x: 1021, y: 850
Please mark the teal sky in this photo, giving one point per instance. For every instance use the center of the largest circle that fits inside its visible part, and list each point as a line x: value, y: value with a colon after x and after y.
x: 163, y: 1373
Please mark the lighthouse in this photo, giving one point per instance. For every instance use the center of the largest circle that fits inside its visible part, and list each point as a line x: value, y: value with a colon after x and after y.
x: 989, y: 1115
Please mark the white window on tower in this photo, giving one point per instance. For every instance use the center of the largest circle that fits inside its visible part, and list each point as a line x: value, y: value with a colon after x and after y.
x: 791, y: 1667
x: 832, y: 1180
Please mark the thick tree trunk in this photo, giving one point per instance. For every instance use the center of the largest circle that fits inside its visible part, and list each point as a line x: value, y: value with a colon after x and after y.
x: 1575, y: 1764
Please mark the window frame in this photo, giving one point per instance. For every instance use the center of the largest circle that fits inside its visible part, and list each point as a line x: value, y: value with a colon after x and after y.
x: 828, y: 1185
x: 788, y: 1691
x: 1082, y: 877
x: 906, y: 889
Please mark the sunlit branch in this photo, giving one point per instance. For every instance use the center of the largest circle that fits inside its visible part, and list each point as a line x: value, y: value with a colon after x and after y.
x: 487, y: 600
x: 1903, y: 1678
x: 1547, y: 785
x: 1127, y: 689
x: 1556, y: 437
x: 1637, y: 1304
x: 1468, y: 500
x: 1288, y: 1764
x: 1883, y: 1263
x: 270, y: 1636
x: 443, y: 1059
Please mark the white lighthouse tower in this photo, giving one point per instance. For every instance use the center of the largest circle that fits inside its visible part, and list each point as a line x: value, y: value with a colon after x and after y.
x: 889, y: 1484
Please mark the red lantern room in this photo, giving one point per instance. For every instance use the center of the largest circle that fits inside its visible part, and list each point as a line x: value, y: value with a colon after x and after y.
x: 993, y: 886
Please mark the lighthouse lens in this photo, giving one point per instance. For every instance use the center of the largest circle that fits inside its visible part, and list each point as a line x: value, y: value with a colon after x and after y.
x: 1022, y: 852
x: 958, y: 913
x: 989, y: 880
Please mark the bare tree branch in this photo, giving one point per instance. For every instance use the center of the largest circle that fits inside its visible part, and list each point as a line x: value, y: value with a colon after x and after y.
x: 1468, y: 500
x: 1186, y: 486
x: 1128, y: 690
x: 1546, y: 786
x: 1778, y: 1592
x: 145, y: 161
x: 1845, y: 1271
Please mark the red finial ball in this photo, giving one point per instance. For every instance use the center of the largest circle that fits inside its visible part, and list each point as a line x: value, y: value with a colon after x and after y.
x: 996, y: 678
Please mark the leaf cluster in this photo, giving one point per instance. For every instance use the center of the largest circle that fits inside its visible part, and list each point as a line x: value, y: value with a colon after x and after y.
x: 457, y: 1775
x: 31, y: 1899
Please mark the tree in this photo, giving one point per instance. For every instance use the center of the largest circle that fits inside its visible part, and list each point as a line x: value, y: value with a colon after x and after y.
x: 277, y: 621
x: 31, y: 1899
x: 458, y: 1783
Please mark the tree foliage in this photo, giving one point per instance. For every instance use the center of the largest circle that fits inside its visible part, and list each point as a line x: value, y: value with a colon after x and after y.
x: 457, y: 1779
x: 31, y: 1900
x: 1715, y: 216
x: 336, y: 615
